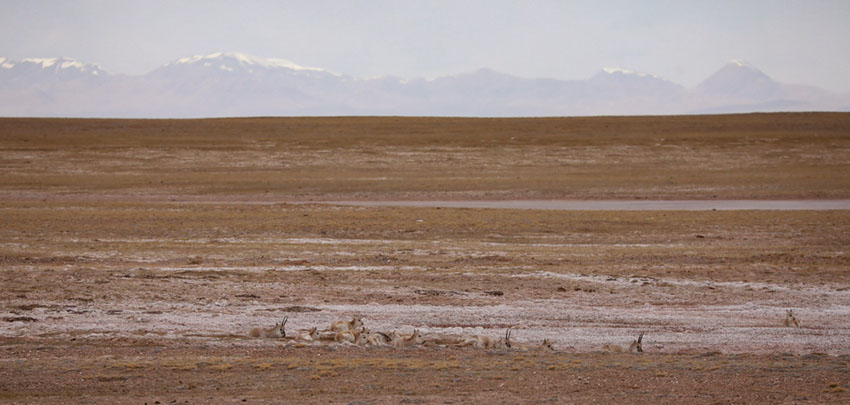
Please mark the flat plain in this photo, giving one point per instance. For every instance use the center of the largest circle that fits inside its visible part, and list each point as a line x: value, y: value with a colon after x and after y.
x: 135, y: 256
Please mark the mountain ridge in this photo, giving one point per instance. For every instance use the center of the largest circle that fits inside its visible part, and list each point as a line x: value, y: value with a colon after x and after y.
x: 238, y: 84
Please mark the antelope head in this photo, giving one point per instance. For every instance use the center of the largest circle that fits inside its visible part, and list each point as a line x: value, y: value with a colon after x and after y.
x: 639, y: 343
x: 282, y: 326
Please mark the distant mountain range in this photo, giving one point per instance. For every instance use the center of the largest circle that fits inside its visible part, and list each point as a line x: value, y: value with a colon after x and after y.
x: 234, y: 84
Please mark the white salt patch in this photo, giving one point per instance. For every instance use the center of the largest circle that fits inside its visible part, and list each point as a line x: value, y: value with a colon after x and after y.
x: 291, y: 268
x: 632, y: 280
x: 587, y: 245
x: 328, y: 241
x: 752, y: 327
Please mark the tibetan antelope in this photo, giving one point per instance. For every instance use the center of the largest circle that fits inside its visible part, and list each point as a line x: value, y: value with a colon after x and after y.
x: 546, y: 346
x: 636, y: 346
x: 407, y: 341
x: 308, y: 335
x: 791, y: 320
x: 278, y: 331
x: 486, y: 342
x: 375, y: 338
x: 445, y: 340
x: 350, y: 337
x: 353, y: 324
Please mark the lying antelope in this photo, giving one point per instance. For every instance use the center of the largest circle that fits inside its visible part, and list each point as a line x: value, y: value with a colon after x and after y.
x: 407, y: 341
x: 350, y: 337
x: 636, y: 346
x: 353, y: 324
x: 445, y: 340
x: 278, y: 331
x: 308, y: 335
x: 791, y: 320
x: 546, y: 346
x: 486, y: 342
x: 375, y: 338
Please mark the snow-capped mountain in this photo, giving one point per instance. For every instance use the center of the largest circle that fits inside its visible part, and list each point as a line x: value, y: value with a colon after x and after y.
x: 738, y: 80
x: 624, y: 80
x: 238, y: 84
x: 740, y: 87
x: 48, y: 69
x: 52, y: 87
x: 235, y: 84
x: 234, y: 63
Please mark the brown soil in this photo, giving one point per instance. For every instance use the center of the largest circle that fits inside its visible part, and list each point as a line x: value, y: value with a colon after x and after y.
x: 135, y: 256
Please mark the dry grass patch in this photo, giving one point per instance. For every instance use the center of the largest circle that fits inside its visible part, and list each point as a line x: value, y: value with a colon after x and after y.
x: 732, y: 156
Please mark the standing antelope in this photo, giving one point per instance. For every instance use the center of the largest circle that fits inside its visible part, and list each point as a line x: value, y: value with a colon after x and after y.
x: 486, y: 342
x: 278, y: 331
x: 791, y: 320
x: 636, y: 346
x: 340, y: 326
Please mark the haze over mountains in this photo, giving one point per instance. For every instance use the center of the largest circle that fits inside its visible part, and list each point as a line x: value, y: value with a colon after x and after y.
x: 234, y: 84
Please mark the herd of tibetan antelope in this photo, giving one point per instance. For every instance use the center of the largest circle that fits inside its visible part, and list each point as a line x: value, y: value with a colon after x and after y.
x: 354, y: 333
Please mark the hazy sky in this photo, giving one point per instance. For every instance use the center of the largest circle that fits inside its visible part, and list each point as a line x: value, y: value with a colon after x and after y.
x: 806, y: 42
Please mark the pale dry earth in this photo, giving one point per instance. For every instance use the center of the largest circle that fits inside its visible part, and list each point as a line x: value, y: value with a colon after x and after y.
x: 618, y: 205
x: 152, y: 295
x: 136, y: 255
x: 187, y: 281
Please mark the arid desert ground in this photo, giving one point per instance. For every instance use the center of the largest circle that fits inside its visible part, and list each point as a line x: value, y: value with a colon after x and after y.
x: 136, y: 255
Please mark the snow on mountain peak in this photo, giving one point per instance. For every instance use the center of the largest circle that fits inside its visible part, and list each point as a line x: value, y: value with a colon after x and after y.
x: 743, y: 81
x: 228, y: 61
x: 290, y: 65
x: 739, y: 63
x: 614, y: 70
x: 618, y: 70
x: 64, y: 65
x: 44, y: 62
x: 6, y: 64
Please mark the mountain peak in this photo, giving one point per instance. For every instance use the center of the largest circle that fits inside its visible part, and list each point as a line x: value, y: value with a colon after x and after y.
x: 738, y: 70
x: 616, y: 80
x: 230, y: 61
x: 61, y: 65
x: 237, y: 84
x: 739, y: 63
x: 625, y: 72
x: 742, y: 80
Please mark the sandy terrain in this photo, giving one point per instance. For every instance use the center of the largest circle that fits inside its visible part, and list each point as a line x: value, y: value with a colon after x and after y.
x: 130, y: 272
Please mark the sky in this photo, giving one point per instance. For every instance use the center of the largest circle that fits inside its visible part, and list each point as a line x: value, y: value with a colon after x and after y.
x: 801, y: 42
